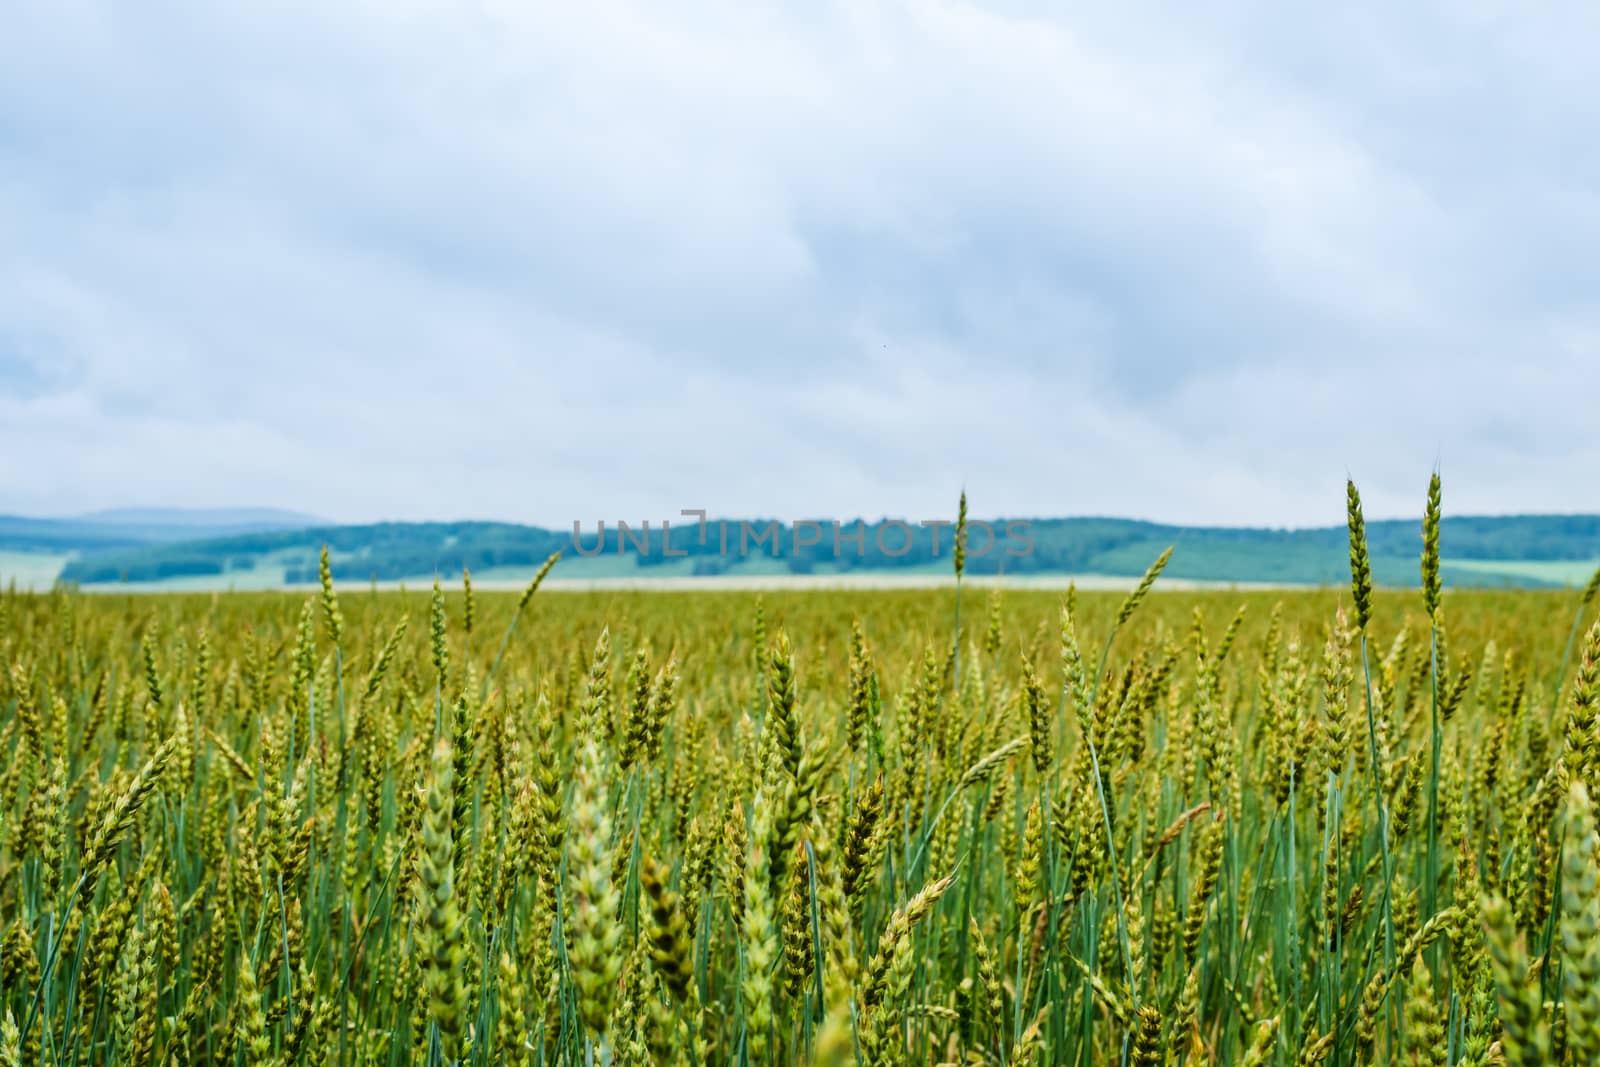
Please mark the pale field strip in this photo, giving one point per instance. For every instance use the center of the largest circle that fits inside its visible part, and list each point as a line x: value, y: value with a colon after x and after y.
x: 36, y: 572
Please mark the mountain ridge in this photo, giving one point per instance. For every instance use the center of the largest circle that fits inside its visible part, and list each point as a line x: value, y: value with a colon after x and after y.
x: 1479, y: 550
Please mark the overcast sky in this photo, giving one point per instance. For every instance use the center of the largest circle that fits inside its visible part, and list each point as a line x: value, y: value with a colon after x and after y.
x: 545, y: 261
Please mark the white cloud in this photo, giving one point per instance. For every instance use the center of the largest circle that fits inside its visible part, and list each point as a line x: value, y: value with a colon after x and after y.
x: 556, y: 261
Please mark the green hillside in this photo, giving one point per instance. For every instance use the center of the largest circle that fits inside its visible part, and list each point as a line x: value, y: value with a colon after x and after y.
x: 1479, y: 551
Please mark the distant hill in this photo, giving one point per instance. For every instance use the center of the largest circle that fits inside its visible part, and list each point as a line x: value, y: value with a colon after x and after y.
x: 126, y: 528
x: 1525, y: 550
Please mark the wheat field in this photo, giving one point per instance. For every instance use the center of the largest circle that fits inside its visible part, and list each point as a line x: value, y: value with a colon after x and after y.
x: 1342, y: 826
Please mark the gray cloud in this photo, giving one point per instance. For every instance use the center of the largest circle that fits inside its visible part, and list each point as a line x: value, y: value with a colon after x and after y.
x: 550, y: 261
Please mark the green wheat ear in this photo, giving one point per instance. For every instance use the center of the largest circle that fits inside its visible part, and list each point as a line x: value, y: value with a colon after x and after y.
x: 1147, y: 1039
x: 1525, y: 1031
x: 439, y: 933
x: 330, y: 599
x: 436, y: 632
x: 1430, y: 550
x: 1131, y: 604
x: 1038, y: 710
x: 1580, y: 927
x: 1360, y: 564
x: 961, y: 536
x: 538, y: 580
x: 593, y: 931
x: 119, y: 817
x: 10, y: 1042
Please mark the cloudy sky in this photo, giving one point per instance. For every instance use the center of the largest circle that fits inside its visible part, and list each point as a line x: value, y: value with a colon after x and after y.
x: 543, y: 261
